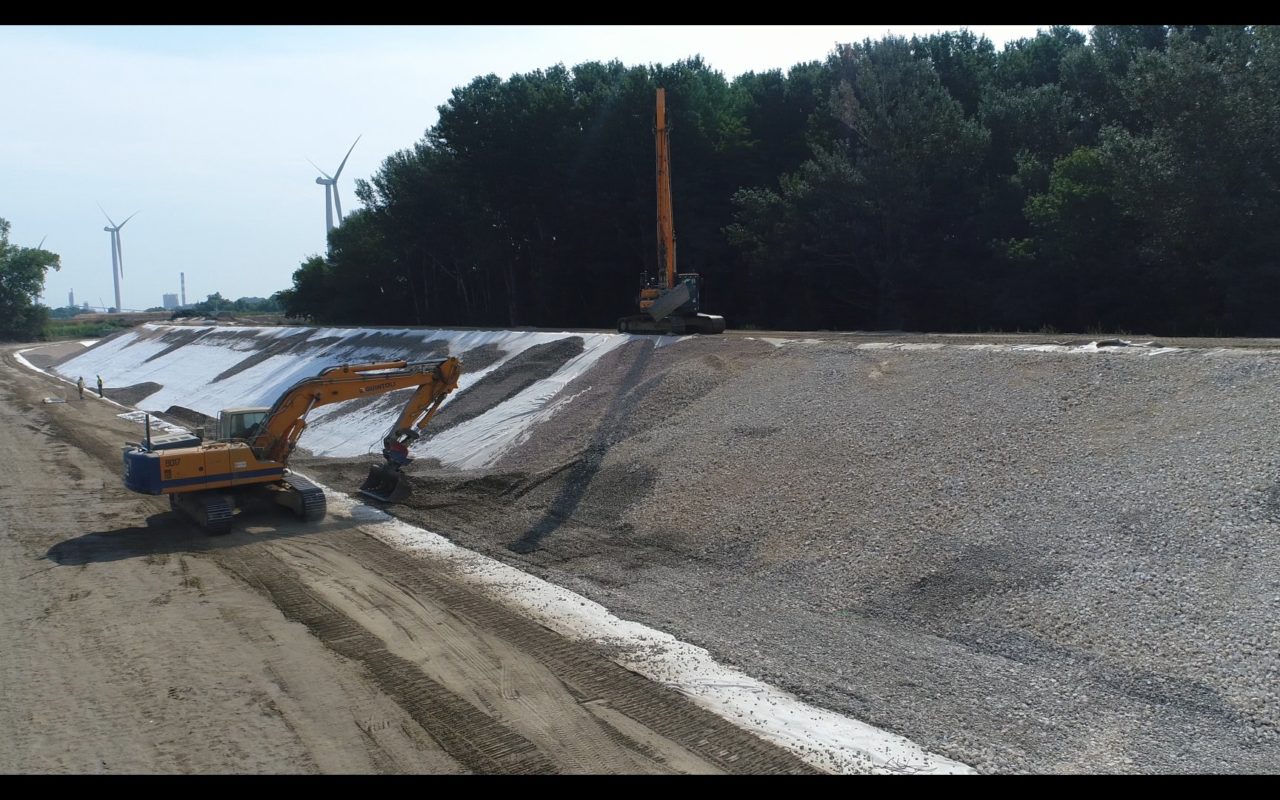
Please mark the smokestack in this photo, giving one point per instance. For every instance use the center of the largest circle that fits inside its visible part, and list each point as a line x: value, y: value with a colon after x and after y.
x: 182, y: 282
x: 71, y: 298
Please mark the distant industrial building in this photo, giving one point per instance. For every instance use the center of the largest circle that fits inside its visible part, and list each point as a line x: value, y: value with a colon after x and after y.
x: 170, y: 302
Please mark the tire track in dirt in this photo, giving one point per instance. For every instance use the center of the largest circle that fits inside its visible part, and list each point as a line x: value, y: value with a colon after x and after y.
x: 592, y: 679
x: 477, y: 741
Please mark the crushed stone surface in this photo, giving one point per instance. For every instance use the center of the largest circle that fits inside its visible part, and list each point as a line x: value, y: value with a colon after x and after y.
x: 1028, y: 562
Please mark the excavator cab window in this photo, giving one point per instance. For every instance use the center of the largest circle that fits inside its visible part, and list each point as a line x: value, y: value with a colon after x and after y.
x: 241, y: 424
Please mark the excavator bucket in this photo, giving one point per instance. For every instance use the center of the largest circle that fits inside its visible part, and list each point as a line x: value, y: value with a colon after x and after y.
x: 386, y: 483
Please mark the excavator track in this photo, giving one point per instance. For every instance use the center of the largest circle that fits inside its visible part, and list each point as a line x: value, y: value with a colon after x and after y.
x: 313, y: 504
x: 212, y: 511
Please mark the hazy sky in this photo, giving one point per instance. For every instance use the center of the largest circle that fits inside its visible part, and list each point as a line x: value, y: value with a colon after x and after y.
x: 206, y: 130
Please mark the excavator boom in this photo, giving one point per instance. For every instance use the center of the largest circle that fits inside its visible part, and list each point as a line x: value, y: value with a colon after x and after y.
x: 666, y: 217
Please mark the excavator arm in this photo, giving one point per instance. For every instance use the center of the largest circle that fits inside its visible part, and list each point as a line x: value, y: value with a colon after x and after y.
x: 666, y: 224
x: 417, y: 413
x: 279, y: 432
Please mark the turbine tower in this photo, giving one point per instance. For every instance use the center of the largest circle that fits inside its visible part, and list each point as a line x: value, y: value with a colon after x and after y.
x: 330, y: 185
x: 117, y: 256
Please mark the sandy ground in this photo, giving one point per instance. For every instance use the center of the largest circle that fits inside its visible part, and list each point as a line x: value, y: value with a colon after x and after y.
x: 133, y: 643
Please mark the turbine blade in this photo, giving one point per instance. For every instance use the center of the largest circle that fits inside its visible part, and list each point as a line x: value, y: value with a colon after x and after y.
x: 344, y: 158
x: 337, y: 203
x: 105, y: 214
x: 41, y: 245
x: 119, y: 254
x: 131, y: 216
x: 322, y: 172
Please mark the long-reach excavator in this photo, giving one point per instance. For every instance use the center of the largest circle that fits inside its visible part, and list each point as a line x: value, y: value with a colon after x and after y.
x: 669, y: 303
x: 249, y: 458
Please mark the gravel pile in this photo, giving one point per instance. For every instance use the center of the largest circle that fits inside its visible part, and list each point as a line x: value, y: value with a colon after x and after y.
x: 1028, y: 562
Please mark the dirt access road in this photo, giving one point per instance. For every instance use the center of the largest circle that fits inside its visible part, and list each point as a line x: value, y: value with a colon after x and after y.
x: 133, y: 642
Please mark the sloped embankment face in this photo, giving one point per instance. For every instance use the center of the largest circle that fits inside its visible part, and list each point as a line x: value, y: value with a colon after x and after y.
x: 503, y: 383
x: 509, y: 378
x: 1028, y: 561
x: 553, y: 491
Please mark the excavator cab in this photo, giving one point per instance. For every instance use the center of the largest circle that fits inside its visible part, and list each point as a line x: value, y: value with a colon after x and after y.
x: 240, y: 423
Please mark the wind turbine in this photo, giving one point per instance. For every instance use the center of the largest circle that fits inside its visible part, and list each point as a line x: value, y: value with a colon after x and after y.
x: 117, y: 256
x: 330, y: 185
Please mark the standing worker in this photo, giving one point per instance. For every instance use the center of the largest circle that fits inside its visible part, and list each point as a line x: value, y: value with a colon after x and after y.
x: 100, y: 394
x: 80, y: 386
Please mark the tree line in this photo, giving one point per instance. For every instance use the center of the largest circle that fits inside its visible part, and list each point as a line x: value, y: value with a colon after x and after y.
x: 1123, y: 181
x: 22, y: 271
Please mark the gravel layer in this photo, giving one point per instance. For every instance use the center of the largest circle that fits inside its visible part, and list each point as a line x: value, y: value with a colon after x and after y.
x: 1028, y: 562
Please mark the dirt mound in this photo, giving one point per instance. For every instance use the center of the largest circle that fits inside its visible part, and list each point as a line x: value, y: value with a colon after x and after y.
x: 559, y: 495
x: 127, y: 395
x: 631, y: 390
x: 188, y: 418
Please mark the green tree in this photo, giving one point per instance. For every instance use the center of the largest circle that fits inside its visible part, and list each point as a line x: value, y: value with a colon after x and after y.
x: 1085, y: 274
x: 804, y: 247
x: 531, y: 201
x: 963, y: 62
x: 876, y: 231
x: 311, y: 295
x: 1199, y: 168
x: 1130, y: 180
x: 22, y: 272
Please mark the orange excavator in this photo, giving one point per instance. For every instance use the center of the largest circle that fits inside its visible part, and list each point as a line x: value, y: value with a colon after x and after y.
x: 669, y: 303
x: 248, y: 459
